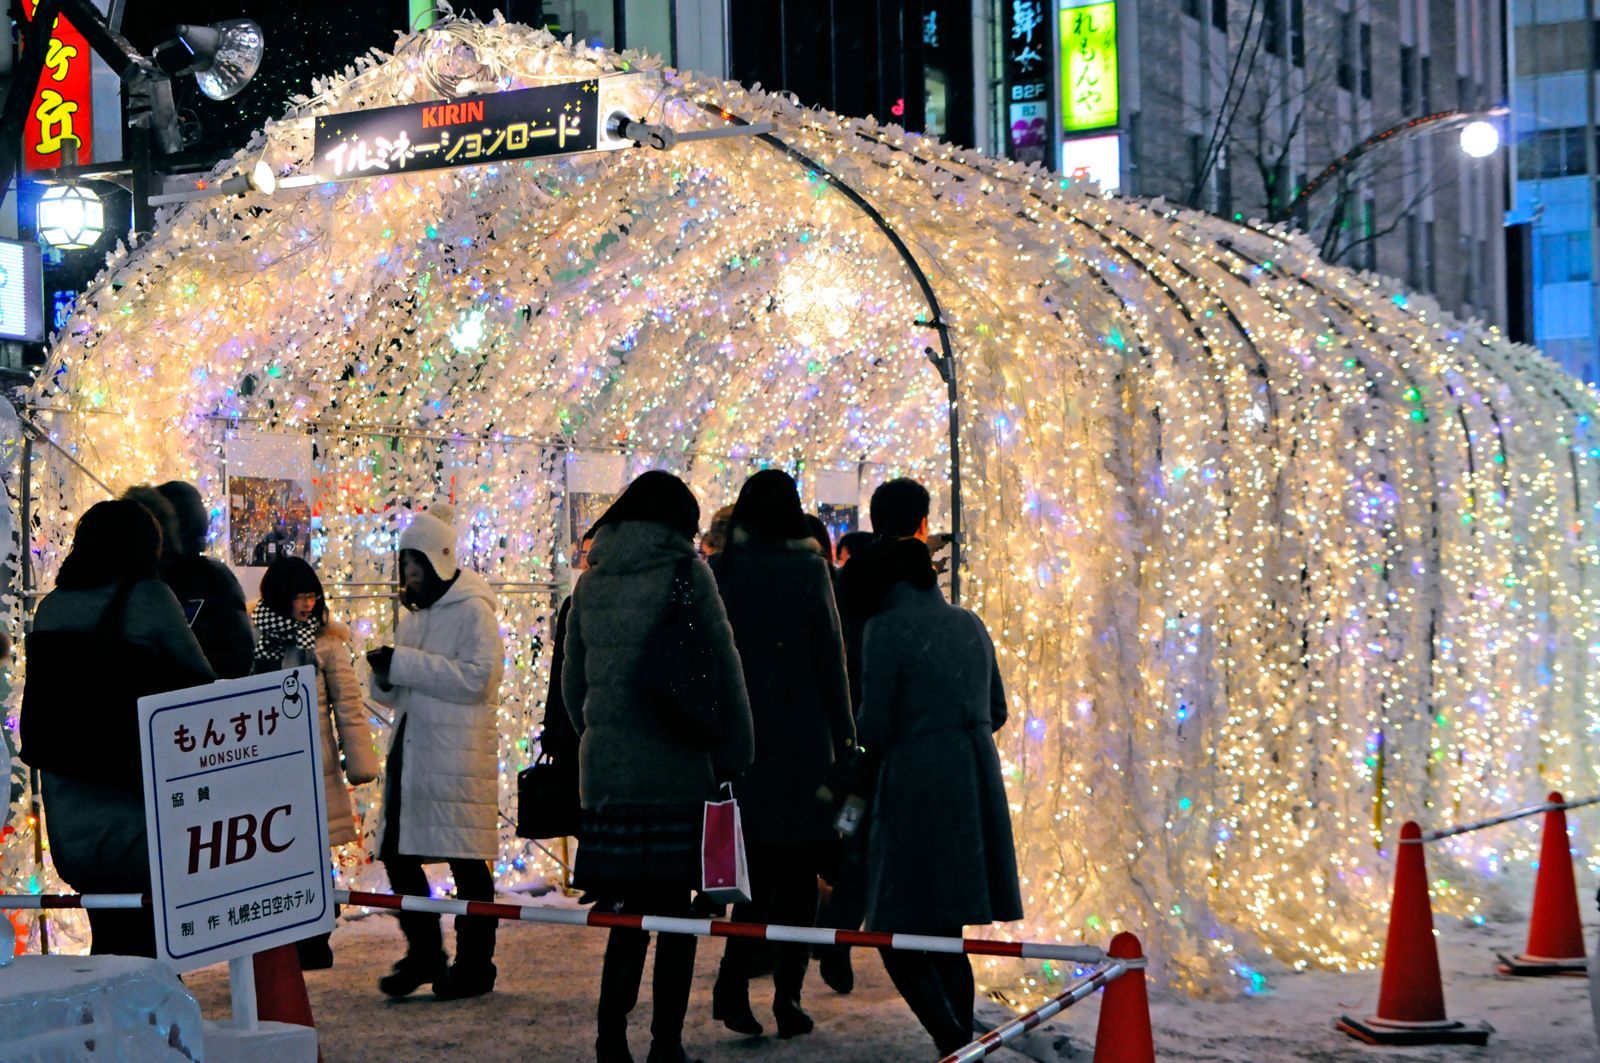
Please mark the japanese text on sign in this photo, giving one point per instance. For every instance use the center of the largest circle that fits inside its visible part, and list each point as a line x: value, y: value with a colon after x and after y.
x: 1089, y: 67
x: 61, y: 112
x: 234, y: 805
x: 550, y: 120
x: 1026, y: 66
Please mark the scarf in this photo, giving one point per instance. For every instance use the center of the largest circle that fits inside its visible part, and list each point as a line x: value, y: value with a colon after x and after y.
x: 277, y: 634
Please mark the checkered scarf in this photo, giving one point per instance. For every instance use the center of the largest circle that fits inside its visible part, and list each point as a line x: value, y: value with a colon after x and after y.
x: 276, y: 634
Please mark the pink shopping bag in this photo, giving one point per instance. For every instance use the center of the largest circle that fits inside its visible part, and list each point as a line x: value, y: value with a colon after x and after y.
x: 724, y: 871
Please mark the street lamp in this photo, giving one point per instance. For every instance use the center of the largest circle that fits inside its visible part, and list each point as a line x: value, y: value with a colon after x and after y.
x: 223, y: 57
x: 70, y: 217
x: 1480, y: 139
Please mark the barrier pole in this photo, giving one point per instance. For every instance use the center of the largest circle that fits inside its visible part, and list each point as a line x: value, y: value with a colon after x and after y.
x: 807, y: 935
x: 1028, y: 1020
x: 1494, y: 821
x: 242, y: 985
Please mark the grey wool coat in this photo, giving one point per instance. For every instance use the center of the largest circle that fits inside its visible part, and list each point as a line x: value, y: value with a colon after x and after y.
x: 627, y: 753
x: 940, y: 851
x: 779, y: 597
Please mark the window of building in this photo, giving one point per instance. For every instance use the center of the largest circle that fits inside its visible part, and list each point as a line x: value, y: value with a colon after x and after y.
x: 1562, y: 257
x: 1272, y: 26
x: 1219, y: 15
x: 1347, y: 51
x: 1297, y: 32
x: 1369, y: 232
x: 1552, y: 153
x: 1366, y: 60
x: 1425, y: 84
x: 1191, y: 8
x: 1554, y: 47
x: 1430, y: 263
x: 1408, y: 80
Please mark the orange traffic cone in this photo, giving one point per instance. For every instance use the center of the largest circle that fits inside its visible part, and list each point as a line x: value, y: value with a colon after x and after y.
x: 1411, y: 995
x: 281, y: 988
x: 1123, y: 1034
x: 1555, y: 933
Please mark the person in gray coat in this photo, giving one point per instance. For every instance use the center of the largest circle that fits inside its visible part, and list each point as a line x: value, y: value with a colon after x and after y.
x: 643, y: 780
x: 779, y: 595
x: 940, y: 854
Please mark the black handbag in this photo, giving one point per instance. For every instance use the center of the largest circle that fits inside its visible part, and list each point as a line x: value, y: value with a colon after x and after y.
x: 682, y: 676
x: 547, y: 800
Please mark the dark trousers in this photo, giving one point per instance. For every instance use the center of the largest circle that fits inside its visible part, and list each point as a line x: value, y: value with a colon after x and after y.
x: 783, y: 888
x: 122, y: 932
x: 624, y: 969
x: 938, y: 987
x: 474, y: 934
x: 846, y: 906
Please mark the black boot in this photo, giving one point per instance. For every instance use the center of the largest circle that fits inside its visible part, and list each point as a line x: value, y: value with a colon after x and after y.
x: 473, y: 973
x: 788, y: 977
x: 833, y: 964
x: 424, y: 960
x: 316, y: 954
x: 620, y: 975
x: 730, y: 996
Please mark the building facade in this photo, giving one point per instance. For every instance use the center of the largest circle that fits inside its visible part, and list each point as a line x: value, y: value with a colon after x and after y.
x: 1257, y: 111
x: 1552, y: 59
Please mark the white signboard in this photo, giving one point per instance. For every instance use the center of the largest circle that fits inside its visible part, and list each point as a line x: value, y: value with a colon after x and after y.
x: 234, y: 810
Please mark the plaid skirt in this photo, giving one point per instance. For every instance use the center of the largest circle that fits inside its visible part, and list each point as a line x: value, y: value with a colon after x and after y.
x: 623, y: 847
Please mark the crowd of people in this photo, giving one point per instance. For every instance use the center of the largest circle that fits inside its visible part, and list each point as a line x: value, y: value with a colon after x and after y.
x: 849, y: 708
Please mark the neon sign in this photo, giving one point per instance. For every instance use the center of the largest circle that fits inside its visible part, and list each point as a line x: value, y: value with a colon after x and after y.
x: 499, y: 127
x: 1088, y: 66
x: 61, y: 113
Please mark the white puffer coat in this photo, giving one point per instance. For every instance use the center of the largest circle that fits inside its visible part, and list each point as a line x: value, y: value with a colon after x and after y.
x: 344, y: 731
x: 445, y: 675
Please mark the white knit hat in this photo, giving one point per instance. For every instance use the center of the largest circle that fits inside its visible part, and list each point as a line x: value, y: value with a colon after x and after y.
x: 432, y: 533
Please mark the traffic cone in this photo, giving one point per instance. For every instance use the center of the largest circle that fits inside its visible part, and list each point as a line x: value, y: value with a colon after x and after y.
x: 1411, y: 995
x: 1555, y: 932
x: 281, y: 988
x: 1123, y: 1033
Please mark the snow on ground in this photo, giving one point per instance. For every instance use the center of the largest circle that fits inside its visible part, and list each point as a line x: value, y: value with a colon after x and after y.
x: 543, y: 1009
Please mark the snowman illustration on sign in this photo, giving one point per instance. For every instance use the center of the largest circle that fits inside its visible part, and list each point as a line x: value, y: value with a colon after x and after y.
x: 293, y: 703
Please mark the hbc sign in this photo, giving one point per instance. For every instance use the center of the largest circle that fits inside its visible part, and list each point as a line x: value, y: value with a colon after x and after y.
x: 234, y: 807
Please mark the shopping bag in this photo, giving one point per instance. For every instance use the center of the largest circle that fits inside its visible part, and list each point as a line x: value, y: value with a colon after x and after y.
x: 724, y: 870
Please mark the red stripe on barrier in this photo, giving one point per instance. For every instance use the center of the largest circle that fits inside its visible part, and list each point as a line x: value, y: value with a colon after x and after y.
x: 993, y: 948
x: 727, y: 928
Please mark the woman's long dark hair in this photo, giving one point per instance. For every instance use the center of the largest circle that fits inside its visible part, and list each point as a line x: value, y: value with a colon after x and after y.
x: 769, y: 508
x: 660, y: 498
x: 114, y: 542
x: 287, y: 577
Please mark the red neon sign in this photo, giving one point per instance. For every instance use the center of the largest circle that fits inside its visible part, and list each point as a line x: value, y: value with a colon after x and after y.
x: 62, y: 112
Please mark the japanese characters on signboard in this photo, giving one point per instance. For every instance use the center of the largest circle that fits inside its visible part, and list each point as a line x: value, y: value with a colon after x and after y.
x: 499, y: 127
x: 1088, y: 65
x: 61, y: 114
x: 1026, y: 64
x: 238, y: 834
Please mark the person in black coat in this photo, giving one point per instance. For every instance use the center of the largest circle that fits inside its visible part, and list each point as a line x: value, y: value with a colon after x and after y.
x: 557, y: 736
x: 109, y: 633
x: 779, y: 597
x: 210, y: 595
x: 899, y: 510
x: 940, y: 854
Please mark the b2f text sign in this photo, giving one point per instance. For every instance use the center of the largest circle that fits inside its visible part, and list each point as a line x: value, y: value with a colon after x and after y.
x: 498, y: 127
x: 234, y: 810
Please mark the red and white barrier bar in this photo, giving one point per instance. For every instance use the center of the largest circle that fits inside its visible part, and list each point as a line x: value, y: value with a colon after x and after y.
x: 1010, y: 1031
x: 1494, y: 821
x: 809, y: 935
x: 1027, y: 950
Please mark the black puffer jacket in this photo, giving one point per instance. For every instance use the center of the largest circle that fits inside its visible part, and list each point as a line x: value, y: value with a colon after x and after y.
x: 779, y: 598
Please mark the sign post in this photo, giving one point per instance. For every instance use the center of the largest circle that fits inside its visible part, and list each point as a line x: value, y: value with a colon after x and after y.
x: 234, y: 808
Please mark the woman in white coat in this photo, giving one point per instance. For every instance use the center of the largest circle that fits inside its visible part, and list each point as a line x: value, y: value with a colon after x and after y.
x: 292, y: 627
x: 442, y: 678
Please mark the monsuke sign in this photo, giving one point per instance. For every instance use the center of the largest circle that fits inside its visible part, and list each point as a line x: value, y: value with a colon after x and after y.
x: 499, y: 127
x: 234, y: 808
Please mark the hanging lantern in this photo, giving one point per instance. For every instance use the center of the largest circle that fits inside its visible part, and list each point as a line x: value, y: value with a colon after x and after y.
x: 70, y: 217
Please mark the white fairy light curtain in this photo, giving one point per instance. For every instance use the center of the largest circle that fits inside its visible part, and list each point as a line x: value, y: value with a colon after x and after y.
x: 1276, y: 555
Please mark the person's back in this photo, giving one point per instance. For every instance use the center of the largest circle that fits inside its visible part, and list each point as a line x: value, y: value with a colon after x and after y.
x: 209, y: 593
x: 779, y: 599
